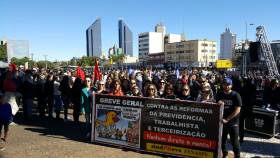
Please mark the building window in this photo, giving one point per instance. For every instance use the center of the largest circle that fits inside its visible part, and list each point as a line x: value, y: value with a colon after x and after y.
x: 143, y: 36
x: 204, y: 44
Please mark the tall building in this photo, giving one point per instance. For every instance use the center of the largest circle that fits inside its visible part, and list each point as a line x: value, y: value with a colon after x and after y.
x: 160, y: 28
x: 154, y: 42
x: 227, y: 43
x: 16, y: 48
x: 192, y: 52
x: 93, y: 33
x: 149, y: 43
x: 125, y: 38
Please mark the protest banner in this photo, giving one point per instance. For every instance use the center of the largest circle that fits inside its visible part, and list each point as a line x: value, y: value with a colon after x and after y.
x: 172, y: 127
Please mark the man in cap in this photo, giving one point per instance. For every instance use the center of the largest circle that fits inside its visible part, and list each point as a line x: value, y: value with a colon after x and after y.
x: 232, y: 105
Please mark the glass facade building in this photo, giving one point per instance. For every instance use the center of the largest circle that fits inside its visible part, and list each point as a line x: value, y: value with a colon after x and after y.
x: 125, y: 38
x: 93, y: 35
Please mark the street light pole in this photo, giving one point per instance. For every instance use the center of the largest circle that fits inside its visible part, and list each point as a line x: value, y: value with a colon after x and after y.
x: 46, y: 61
x: 244, y: 51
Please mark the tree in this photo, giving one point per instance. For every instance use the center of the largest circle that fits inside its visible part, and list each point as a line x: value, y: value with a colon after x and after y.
x: 87, y: 61
x: 3, y: 52
x: 20, y: 61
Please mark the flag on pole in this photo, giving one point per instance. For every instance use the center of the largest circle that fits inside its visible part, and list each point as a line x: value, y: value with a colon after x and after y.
x: 12, y: 67
x: 80, y: 73
x: 97, y: 75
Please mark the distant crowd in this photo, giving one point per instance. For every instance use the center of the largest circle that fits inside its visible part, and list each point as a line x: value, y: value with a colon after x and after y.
x: 55, y: 91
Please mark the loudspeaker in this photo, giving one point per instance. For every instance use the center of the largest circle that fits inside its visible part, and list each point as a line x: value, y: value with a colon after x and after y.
x: 254, y: 51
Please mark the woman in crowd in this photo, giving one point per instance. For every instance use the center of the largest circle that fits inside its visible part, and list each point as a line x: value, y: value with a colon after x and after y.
x: 117, y: 91
x: 161, y: 87
x: 136, y: 91
x: 151, y: 91
x: 169, y: 92
x: 86, y: 96
x: 186, y: 93
x: 206, y: 94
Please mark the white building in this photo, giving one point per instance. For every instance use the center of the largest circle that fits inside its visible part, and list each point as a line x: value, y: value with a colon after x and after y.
x: 154, y: 42
x: 172, y: 38
x: 227, y: 43
x: 17, y: 48
x: 149, y: 42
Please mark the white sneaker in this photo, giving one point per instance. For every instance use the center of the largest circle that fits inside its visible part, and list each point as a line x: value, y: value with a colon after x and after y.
x: 2, y: 148
x: 13, y: 124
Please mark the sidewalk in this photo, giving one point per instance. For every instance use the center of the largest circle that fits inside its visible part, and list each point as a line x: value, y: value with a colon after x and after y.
x: 44, y: 137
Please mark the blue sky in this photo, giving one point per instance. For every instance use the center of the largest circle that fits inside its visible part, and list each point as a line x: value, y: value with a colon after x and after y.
x: 57, y: 27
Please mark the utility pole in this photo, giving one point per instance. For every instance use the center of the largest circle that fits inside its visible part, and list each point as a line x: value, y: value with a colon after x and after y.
x: 46, y: 62
x: 32, y: 54
x: 245, y: 50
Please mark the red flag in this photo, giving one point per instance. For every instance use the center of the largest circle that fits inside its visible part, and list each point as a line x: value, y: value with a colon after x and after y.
x: 12, y: 67
x: 97, y: 75
x: 80, y: 73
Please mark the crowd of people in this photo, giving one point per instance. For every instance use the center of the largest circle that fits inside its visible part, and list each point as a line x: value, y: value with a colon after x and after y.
x: 58, y: 90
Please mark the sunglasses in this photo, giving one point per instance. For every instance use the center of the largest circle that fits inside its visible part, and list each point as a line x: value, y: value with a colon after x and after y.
x: 206, y: 91
x: 133, y: 82
x: 185, y: 89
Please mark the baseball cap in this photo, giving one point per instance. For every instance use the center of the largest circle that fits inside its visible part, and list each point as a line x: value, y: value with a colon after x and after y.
x: 227, y: 81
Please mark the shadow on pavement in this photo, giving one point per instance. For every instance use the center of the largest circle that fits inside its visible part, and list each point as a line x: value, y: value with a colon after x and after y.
x: 51, y: 127
x: 261, y: 147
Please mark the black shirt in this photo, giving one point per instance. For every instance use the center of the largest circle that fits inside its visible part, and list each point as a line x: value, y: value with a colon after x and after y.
x: 231, y: 101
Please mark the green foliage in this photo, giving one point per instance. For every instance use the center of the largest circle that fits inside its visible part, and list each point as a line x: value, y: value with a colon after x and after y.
x: 119, y: 58
x: 19, y: 61
x: 3, y: 52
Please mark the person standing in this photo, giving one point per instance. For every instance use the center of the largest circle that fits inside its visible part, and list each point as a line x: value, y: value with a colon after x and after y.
x: 49, y: 92
x: 232, y: 105
x: 28, y: 94
x: 65, y: 95
x: 5, y: 117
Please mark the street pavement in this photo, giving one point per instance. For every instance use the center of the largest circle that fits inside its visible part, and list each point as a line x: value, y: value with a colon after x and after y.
x: 50, y: 138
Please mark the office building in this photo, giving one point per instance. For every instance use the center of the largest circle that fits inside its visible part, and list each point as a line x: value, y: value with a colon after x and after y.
x: 16, y: 48
x: 93, y: 35
x: 125, y: 38
x: 199, y: 53
x: 227, y: 44
x: 149, y: 43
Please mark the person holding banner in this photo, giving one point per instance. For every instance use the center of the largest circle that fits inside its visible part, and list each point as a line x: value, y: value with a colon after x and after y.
x: 169, y: 92
x: 185, y: 93
x: 151, y: 91
x: 117, y: 91
x: 232, y: 106
x: 206, y: 94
